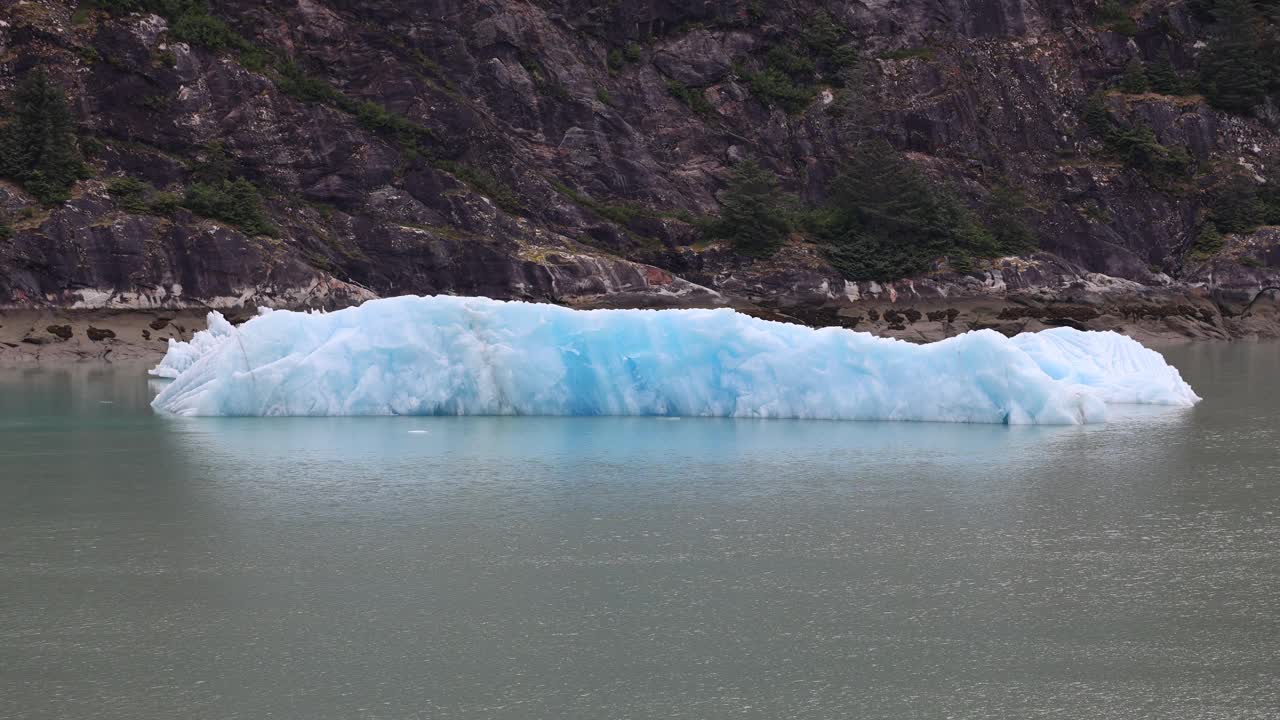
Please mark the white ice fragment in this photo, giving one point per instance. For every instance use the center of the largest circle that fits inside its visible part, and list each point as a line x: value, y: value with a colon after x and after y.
x: 182, y: 355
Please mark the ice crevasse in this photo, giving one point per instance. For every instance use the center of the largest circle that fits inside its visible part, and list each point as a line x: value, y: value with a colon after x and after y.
x: 476, y: 356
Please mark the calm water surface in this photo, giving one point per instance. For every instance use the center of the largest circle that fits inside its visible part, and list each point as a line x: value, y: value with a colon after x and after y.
x: 638, y: 568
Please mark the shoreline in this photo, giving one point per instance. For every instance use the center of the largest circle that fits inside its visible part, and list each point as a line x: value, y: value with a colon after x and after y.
x: 60, y: 336
x: 32, y: 337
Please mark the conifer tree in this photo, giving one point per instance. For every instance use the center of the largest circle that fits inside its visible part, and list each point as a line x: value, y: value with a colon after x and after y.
x: 1237, y: 206
x: 1096, y: 117
x: 38, y: 148
x: 753, y: 217
x: 1135, y: 80
x: 885, y: 219
x: 1232, y: 72
x: 1163, y: 78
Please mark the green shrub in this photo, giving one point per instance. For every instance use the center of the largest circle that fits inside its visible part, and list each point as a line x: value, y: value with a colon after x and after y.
x: 296, y: 83
x: 752, y: 216
x: 154, y: 102
x: 786, y: 76
x: 130, y: 194
x: 790, y: 62
x: 163, y: 203
x: 776, y: 88
x: 90, y: 146
x: 825, y: 40
x: 1139, y: 149
x: 410, y: 136
x: 212, y: 165
x: 785, y: 79
x: 189, y: 21
x: 615, y: 61
x: 1209, y: 242
x: 88, y: 54
x: 693, y: 98
x: 6, y: 230
x: 235, y: 202
x: 485, y: 183
x: 38, y: 146
x: 140, y: 198
x: 207, y: 31
x: 620, y: 213
x: 1114, y: 15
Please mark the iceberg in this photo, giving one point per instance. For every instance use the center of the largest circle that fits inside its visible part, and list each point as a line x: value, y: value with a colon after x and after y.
x: 182, y: 355
x: 475, y: 356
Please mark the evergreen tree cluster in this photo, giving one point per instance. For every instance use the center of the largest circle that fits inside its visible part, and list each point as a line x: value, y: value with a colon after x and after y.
x: 1158, y: 76
x: 753, y: 215
x: 235, y: 202
x: 1239, y: 66
x: 788, y: 73
x: 1115, y: 16
x: 884, y: 218
x: 216, y: 192
x: 140, y: 198
x: 38, y: 146
x: 1242, y: 62
x: 1136, y: 145
x: 1240, y: 204
x: 189, y: 21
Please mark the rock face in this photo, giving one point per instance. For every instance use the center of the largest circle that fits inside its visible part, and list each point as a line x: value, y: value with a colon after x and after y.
x: 558, y: 164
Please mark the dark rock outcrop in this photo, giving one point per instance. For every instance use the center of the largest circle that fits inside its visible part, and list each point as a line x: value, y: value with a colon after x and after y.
x: 555, y: 162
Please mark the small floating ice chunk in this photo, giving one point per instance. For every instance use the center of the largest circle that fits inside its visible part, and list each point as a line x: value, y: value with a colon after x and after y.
x: 475, y: 356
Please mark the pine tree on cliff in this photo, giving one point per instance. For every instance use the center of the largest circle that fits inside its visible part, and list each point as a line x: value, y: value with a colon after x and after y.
x: 753, y: 217
x: 1271, y: 46
x: 1163, y: 78
x: 38, y: 148
x: 1135, y: 80
x: 1232, y: 72
x: 885, y: 219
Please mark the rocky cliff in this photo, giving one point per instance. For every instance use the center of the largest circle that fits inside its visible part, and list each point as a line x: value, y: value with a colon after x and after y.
x: 567, y: 150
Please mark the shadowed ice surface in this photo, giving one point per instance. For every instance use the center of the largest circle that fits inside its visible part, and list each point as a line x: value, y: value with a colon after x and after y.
x: 407, y: 568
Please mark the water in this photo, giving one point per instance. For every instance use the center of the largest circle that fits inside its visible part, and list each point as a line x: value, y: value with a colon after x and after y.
x: 638, y: 568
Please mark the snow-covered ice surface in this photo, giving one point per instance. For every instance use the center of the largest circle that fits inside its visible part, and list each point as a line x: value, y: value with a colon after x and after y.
x: 475, y: 356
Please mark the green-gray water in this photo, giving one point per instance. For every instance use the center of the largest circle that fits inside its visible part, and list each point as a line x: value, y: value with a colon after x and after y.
x: 638, y: 568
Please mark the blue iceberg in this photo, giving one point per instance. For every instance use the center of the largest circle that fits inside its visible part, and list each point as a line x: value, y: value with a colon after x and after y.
x: 475, y: 356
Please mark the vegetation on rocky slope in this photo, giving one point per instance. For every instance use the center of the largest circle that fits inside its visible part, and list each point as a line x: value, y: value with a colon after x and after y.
x: 1119, y: 138
x: 38, y: 146
x: 886, y: 219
